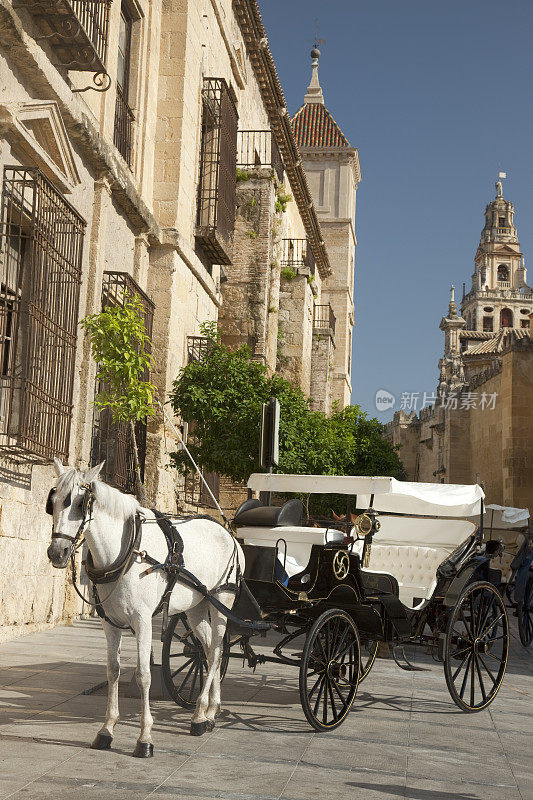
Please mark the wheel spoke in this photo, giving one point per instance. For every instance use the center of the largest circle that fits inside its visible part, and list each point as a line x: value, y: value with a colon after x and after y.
x: 461, y: 665
x: 315, y: 686
x: 320, y: 691
x: 196, y: 671
x: 472, y: 697
x: 489, y: 673
x: 348, y: 646
x: 332, y: 701
x: 339, y: 645
x: 466, y: 624
x: 491, y: 626
x: 462, y: 650
x: 173, y: 674
x: 480, y: 679
x: 325, y: 700
x: 463, y: 686
x: 186, y: 678
x: 344, y: 700
x: 478, y: 625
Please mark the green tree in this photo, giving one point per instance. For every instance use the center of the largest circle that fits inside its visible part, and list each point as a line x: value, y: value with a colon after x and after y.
x: 221, y: 397
x: 119, y: 345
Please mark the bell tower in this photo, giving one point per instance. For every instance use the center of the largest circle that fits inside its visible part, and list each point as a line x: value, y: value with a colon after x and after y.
x: 499, y: 297
x: 333, y: 172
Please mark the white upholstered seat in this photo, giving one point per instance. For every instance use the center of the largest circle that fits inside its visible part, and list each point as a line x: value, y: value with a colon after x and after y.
x: 408, y: 548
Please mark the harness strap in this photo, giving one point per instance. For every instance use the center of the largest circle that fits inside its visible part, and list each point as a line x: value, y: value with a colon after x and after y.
x: 121, y: 564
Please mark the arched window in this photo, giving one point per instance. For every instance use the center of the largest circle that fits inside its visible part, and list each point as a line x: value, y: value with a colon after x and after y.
x: 503, y: 272
x: 506, y: 318
x: 487, y: 323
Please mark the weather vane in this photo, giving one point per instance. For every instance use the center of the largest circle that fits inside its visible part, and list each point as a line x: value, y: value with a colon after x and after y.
x: 317, y: 40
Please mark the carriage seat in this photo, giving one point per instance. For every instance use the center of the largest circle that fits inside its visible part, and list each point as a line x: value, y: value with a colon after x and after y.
x: 413, y: 566
x: 513, y: 541
x: 411, y: 549
x: 252, y: 514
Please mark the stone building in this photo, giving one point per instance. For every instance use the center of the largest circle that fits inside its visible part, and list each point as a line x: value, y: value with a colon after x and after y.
x: 480, y: 429
x: 122, y: 123
x: 333, y: 171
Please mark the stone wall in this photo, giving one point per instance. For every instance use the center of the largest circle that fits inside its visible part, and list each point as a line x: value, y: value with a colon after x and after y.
x: 322, y: 355
x: 488, y: 443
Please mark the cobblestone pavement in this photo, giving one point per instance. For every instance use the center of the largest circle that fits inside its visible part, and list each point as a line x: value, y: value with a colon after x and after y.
x: 404, y: 738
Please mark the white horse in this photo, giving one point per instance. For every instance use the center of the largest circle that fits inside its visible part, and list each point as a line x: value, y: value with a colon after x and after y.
x: 210, y: 553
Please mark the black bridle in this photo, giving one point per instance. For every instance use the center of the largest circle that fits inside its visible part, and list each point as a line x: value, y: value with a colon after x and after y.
x: 86, y: 510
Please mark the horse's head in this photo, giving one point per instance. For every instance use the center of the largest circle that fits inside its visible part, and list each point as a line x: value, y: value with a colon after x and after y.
x: 67, y: 504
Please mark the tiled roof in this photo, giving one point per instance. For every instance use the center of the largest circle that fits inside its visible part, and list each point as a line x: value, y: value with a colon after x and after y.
x: 464, y: 334
x: 315, y: 127
x: 498, y: 343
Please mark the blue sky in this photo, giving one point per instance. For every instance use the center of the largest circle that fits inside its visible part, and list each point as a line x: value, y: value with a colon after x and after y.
x: 437, y: 96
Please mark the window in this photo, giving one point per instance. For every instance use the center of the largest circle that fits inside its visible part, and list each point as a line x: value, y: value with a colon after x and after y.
x: 215, y: 218
x: 506, y: 318
x: 501, y: 222
x: 488, y: 324
x: 124, y: 117
x: 111, y: 441
x: 524, y: 323
x: 503, y: 272
x: 41, y: 242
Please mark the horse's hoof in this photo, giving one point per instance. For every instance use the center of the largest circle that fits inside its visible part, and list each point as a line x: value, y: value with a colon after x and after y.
x: 102, y: 742
x: 144, y: 750
x: 210, y: 724
x: 199, y: 728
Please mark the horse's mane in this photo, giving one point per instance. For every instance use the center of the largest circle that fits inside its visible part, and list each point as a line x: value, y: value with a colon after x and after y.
x: 116, y: 504
x: 113, y: 501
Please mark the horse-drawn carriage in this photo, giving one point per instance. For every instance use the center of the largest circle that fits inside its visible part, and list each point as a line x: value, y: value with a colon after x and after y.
x: 413, y: 570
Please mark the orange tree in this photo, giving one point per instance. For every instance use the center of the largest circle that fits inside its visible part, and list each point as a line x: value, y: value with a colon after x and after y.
x: 222, y: 393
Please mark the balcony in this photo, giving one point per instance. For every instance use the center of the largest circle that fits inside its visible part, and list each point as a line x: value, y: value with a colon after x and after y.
x: 297, y: 254
x: 324, y: 319
x: 256, y: 149
x: 504, y: 284
x: 503, y: 231
x: 215, y: 218
x: 78, y: 32
x: 123, y: 134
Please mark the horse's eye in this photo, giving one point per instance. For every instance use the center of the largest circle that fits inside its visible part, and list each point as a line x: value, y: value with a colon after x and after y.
x: 67, y: 501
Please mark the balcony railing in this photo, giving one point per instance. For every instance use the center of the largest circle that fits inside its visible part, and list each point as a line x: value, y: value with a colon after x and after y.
x: 324, y: 318
x: 297, y: 253
x: 491, y: 294
x: 257, y: 149
x: 123, y: 134
x: 215, y: 219
x: 78, y: 32
x: 504, y: 284
x: 504, y: 231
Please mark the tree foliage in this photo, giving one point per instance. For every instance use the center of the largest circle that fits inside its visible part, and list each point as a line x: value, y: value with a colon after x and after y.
x: 120, y: 347
x: 221, y: 396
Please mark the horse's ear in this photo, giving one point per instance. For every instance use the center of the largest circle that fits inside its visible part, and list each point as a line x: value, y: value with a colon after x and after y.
x: 92, y: 474
x: 335, y: 516
x: 58, y: 466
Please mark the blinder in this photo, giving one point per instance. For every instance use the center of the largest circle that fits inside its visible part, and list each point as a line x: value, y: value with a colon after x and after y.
x: 50, y: 501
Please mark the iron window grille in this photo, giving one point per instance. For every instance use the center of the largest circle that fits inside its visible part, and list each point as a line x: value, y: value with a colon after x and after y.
x: 297, y: 253
x: 194, y: 491
x: 124, y: 116
x: 78, y: 32
x: 324, y: 318
x: 41, y: 244
x: 259, y: 149
x: 123, y: 132
x: 111, y: 441
x: 215, y: 219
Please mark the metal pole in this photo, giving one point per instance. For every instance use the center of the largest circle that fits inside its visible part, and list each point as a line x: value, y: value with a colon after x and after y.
x: 193, y: 461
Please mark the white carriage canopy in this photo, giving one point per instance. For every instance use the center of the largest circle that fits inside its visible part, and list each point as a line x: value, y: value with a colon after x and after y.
x: 506, y: 517
x: 390, y: 495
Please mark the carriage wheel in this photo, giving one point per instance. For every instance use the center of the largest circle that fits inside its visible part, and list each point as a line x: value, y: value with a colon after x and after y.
x: 369, y: 651
x: 477, y: 642
x: 184, y: 662
x: 329, y: 669
x: 525, y: 614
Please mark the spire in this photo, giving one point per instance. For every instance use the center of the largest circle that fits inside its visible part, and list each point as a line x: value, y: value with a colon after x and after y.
x: 314, y: 90
x: 453, y: 306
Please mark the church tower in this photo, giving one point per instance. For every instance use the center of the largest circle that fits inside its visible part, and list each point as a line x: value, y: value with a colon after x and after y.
x: 499, y: 297
x: 333, y: 172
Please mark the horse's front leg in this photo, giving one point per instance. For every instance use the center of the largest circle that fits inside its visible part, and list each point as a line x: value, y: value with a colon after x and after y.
x: 143, y: 631
x: 104, y: 737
